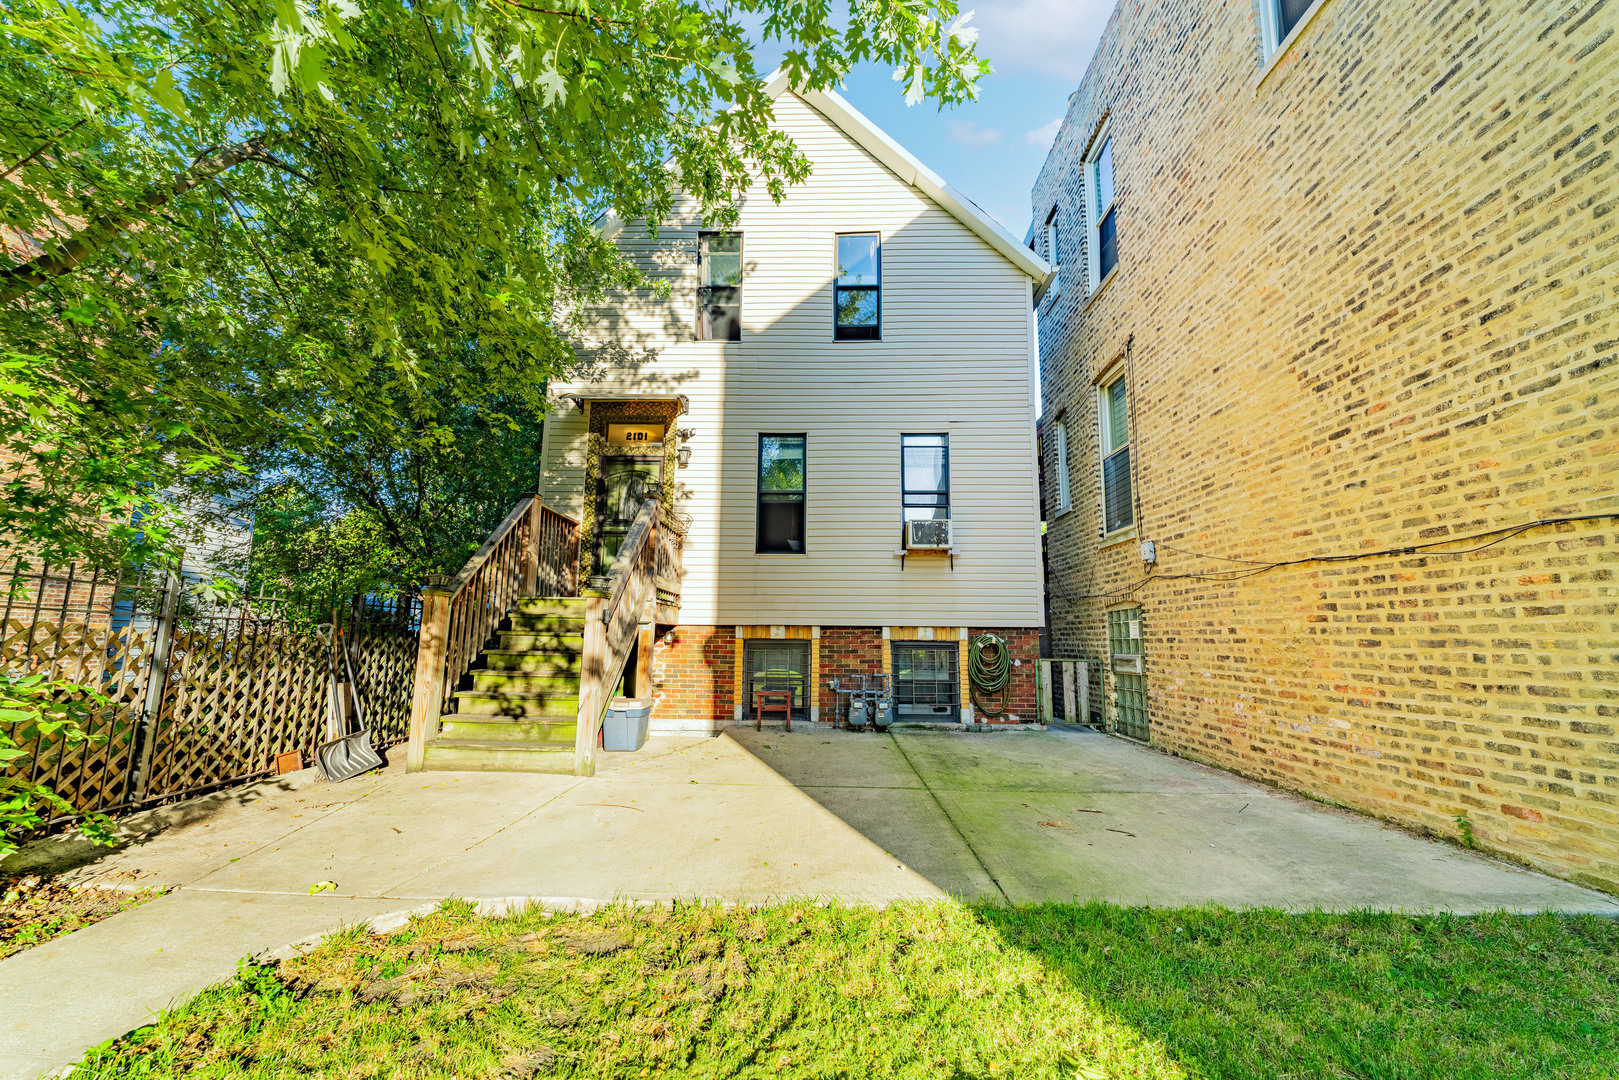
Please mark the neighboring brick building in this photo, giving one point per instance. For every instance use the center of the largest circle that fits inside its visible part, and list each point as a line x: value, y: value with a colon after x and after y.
x: 1357, y: 293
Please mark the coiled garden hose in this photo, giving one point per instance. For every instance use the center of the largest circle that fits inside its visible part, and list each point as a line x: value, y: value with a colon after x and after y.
x: 989, y: 669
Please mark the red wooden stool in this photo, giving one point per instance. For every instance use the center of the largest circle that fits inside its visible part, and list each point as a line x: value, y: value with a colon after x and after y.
x: 772, y: 701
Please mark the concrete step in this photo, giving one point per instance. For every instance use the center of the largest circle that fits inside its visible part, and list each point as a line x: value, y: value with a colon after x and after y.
x: 516, y: 703
x: 553, y: 640
x: 563, y: 623
x: 572, y: 607
x: 470, y: 755
x: 464, y: 727
x: 523, y: 682
x: 555, y: 663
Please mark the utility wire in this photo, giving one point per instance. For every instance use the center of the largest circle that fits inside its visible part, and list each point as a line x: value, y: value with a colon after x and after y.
x: 1502, y: 534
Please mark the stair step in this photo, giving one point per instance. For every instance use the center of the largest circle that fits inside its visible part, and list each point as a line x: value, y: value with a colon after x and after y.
x: 516, y: 703
x: 471, y: 755
x: 556, y: 663
x: 466, y: 727
x: 542, y: 641
x: 564, y: 623
x: 523, y: 682
x: 572, y: 607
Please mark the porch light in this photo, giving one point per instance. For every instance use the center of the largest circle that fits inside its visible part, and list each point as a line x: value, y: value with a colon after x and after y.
x: 683, y: 456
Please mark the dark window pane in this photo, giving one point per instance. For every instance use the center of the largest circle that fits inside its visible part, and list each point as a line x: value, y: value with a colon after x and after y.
x: 720, y: 311
x: 1116, y: 489
x: 857, y: 307
x: 781, y: 463
x: 1291, y: 12
x: 1108, y: 240
x: 858, y: 260
x: 1104, y: 177
x: 781, y: 524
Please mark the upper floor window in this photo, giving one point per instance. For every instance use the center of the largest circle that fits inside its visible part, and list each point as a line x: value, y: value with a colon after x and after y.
x: 1117, y: 503
x: 1279, y: 18
x: 1053, y: 248
x: 925, y: 477
x: 1065, y: 493
x: 857, y: 302
x: 780, y: 519
x: 719, y: 286
x: 1104, y: 238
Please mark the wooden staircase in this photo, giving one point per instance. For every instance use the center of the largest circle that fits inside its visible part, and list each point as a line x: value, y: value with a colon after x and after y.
x: 522, y: 711
x: 536, y: 699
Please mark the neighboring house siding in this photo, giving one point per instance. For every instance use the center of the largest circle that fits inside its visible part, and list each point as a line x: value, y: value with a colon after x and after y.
x: 955, y: 357
x: 1369, y: 304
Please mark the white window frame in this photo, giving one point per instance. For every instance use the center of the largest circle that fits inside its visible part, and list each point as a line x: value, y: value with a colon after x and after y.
x: 1272, y: 43
x: 1094, y: 212
x: 1065, y: 490
x: 1052, y: 252
x: 1107, y: 442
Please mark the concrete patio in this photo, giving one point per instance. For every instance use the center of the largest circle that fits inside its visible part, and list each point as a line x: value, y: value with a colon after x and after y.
x: 744, y: 817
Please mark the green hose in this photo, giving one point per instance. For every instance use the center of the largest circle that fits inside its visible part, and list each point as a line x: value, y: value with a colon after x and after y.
x: 989, y: 669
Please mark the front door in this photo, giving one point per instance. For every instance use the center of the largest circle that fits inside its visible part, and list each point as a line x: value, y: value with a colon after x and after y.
x: 1128, y: 662
x: 622, y: 485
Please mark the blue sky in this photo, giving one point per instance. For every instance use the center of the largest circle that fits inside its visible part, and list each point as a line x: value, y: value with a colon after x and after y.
x: 992, y: 150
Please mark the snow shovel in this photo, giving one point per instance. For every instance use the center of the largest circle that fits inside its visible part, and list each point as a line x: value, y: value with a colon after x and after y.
x: 348, y: 755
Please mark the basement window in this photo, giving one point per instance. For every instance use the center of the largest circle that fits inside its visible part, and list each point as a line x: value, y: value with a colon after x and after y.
x: 857, y: 301
x: 780, y: 521
x: 776, y: 665
x: 719, y: 286
x: 926, y: 683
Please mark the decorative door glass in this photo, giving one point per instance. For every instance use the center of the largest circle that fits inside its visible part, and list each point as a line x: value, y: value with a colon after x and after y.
x: 624, y: 484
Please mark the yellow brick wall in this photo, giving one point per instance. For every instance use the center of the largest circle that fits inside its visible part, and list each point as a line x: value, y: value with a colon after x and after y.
x: 1367, y: 303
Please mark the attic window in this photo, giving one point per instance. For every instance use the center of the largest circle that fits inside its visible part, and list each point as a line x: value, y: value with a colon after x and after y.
x: 719, y: 286
x: 857, y: 303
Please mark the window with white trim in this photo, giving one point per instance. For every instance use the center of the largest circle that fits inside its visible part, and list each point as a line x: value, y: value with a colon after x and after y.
x: 1279, y: 18
x: 1103, y: 247
x: 1117, y: 502
x: 1065, y: 495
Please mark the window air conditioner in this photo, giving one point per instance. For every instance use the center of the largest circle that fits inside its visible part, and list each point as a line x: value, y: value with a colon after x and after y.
x: 927, y: 534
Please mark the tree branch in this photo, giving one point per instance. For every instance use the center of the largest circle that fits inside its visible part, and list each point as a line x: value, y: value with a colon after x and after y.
x: 54, y: 139
x: 18, y: 280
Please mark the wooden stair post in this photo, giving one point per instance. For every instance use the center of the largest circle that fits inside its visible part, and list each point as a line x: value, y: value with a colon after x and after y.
x: 591, y: 675
x: 428, y: 699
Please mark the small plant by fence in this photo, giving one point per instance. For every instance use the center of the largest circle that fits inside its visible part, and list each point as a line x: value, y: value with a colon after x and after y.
x: 197, y: 693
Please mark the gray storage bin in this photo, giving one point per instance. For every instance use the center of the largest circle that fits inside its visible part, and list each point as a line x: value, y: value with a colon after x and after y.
x: 626, y: 724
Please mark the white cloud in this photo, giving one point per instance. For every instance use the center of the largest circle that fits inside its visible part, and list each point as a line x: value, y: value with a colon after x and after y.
x: 967, y: 131
x: 1044, y: 135
x: 1049, y: 37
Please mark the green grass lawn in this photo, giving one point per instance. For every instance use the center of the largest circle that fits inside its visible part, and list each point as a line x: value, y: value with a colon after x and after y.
x: 913, y: 991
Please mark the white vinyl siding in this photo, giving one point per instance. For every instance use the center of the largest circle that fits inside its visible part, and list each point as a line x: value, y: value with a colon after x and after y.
x: 953, y: 359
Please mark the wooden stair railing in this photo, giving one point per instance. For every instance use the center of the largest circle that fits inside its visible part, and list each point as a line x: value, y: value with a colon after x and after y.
x: 534, y: 549
x: 613, y: 623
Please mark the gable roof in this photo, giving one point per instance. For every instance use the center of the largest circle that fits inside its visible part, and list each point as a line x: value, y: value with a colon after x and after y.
x: 876, y: 142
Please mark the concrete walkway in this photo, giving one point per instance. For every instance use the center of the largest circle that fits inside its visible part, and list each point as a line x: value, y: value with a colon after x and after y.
x: 748, y: 816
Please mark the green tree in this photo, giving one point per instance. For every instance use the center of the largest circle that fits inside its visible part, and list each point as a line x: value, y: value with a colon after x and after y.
x: 213, y: 207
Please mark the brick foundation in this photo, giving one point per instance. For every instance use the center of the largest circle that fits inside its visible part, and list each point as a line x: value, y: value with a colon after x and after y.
x: 694, y: 680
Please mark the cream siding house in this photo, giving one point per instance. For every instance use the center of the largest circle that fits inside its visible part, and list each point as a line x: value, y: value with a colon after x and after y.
x: 954, y: 356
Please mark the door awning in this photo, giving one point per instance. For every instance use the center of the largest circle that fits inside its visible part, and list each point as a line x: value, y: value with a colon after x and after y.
x: 580, y: 398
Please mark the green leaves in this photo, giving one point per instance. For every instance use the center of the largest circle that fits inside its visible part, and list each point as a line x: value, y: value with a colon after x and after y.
x: 37, y: 711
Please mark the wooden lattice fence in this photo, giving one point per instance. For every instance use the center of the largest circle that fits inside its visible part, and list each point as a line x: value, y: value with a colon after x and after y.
x: 198, y: 694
